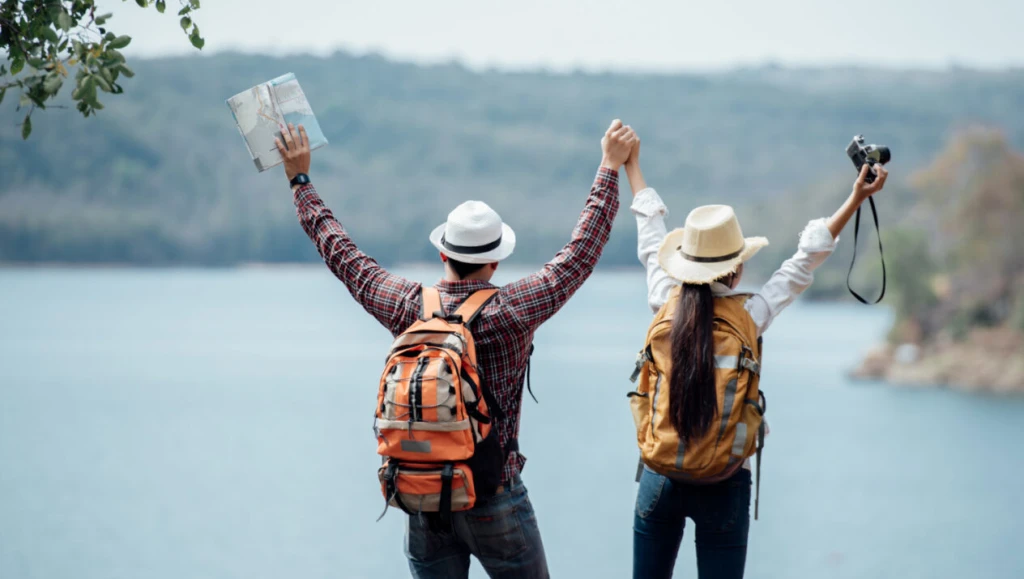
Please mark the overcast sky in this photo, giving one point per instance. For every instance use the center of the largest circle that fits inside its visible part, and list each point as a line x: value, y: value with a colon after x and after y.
x: 601, y: 34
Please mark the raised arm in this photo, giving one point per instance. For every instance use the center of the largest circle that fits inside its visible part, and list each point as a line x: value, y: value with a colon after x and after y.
x: 650, y: 212
x: 384, y: 295
x: 537, y: 297
x: 817, y: 242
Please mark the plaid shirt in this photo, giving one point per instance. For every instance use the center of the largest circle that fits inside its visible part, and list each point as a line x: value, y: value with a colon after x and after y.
x: 504, y: 330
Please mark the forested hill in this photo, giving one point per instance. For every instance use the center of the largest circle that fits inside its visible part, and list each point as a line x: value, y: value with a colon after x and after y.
x: 162, y: 176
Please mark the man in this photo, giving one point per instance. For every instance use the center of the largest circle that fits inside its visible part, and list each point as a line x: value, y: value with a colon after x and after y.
x: 501, y: 531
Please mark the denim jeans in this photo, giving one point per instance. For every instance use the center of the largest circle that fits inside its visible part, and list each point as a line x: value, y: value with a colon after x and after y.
x: 720, y: 511
x: 501, y: 532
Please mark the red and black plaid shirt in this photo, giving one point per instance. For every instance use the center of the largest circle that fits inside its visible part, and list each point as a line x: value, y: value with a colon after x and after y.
x: 504, y: 330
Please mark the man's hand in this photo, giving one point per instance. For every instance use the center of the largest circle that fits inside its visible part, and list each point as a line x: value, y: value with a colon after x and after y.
x: 295, y: 150
x: 862, y: 189
x: 617, y: 145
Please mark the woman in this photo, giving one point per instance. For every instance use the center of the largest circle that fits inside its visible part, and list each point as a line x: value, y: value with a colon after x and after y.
x: 706, y: 258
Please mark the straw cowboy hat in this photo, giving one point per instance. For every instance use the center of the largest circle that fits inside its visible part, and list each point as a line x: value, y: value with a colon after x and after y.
x: 474, y: 233
x: 710, y: 246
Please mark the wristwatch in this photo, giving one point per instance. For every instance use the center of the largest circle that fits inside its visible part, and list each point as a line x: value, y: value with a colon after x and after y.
x: 300, y: 179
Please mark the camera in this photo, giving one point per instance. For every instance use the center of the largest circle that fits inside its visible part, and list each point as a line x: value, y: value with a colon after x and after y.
x: 860, y: 154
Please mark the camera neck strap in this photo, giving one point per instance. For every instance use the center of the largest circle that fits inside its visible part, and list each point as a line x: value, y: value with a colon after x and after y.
x: 856, y: 231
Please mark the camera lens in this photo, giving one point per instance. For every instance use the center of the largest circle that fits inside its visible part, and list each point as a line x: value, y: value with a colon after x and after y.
x: 883, y: 155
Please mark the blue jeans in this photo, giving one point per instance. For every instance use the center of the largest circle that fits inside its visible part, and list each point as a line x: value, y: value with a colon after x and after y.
x: 720, y: 511
x: 501, y: 532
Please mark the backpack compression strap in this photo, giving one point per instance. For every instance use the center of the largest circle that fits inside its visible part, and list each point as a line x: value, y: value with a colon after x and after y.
x: 431, y: 303
x: 475, y: 304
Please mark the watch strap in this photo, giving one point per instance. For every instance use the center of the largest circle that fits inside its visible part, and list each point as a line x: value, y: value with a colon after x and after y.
x: 300, y: 179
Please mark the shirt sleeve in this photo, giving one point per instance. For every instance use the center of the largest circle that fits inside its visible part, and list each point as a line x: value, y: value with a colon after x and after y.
x: 537, y: 297
x: 650, y: 212
x: 795, y: 275
x: 387, y: 297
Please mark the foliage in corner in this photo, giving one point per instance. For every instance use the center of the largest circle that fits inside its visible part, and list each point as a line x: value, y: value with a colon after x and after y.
x: 48, y: 41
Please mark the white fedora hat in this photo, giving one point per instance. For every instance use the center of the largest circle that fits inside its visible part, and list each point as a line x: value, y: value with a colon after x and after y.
x: 710, y: 246
x: 474, y: 233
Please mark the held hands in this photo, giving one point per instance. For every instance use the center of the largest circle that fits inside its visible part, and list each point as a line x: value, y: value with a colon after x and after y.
x: 295, y: 150
x: 617, y: 145
x: 862, y: 189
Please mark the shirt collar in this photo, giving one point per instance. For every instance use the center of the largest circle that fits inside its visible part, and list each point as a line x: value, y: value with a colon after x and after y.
x: 720, y: 289
x: 463, y: 286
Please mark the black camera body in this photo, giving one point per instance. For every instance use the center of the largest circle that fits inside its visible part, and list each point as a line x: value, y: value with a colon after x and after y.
x: 872, y: 155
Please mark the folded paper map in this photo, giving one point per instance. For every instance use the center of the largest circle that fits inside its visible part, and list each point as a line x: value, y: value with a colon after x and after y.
x: 263, y: 111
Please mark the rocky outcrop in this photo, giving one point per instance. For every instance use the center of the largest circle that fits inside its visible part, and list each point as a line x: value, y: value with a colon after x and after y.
x: 988, y: 360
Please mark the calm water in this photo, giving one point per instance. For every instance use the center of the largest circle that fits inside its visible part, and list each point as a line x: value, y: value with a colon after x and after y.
x: 216, y: 424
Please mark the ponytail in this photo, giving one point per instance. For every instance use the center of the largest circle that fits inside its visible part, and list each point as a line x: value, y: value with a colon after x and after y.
x: 693, y: 396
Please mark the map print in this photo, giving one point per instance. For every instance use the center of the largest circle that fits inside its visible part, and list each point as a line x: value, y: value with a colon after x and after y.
x: 263, y: 111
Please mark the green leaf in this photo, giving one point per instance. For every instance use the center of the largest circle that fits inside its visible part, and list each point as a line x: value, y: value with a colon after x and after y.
x: 53, y: 83
x: 3, y: 91
x: 120, y: 42
x: 64, y: 20
x: 194, y: 4
x: 101, y: 20
x: 17, y: 65
x: 186, y: 22
x: 24, y: 100
x: 197, y: 40
x: 50, y: 35
x: 26, y: 127
x: 125, y: 70
x: 184, y: 11
x: 103, y: 84
x: 142, y: 3
x: 161, y: 5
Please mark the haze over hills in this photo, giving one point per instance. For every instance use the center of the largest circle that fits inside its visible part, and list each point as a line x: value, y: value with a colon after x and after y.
x: 162, y: 176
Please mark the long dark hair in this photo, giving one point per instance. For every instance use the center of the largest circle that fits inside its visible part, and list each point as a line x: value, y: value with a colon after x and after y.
x: 693, y: 396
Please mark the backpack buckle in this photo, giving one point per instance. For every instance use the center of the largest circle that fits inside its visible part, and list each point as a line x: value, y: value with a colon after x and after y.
x: 450, y: 318
x: 641, y: 358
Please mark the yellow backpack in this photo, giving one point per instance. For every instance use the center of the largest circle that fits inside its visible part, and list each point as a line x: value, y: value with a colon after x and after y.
x: 738, y: 431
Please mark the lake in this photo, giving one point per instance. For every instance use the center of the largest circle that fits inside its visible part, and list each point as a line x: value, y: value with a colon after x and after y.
x: 217, y: 424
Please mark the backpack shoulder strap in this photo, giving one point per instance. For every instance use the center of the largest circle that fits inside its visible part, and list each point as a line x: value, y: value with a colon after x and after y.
x: 431, y: 303
x: 474, y: 304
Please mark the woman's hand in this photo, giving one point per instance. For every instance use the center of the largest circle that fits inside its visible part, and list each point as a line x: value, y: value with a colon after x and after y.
x: 634, y: 155
x: 633, y: 172
x: 862, y: 189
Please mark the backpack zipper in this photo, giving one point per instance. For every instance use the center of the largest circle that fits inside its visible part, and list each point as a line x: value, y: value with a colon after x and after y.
x: 654, y: 402
x: 416, y: 391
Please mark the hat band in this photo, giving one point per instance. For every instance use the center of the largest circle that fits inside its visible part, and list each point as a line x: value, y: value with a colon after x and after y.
x: 697, y: 259
x: 471, y: 249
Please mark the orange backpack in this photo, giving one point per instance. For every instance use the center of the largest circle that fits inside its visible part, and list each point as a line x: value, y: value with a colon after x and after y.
x: 738, y: 430
x: 433, y: 418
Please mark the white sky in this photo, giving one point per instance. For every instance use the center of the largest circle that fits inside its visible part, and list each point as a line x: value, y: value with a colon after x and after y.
x: 600, y: 34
